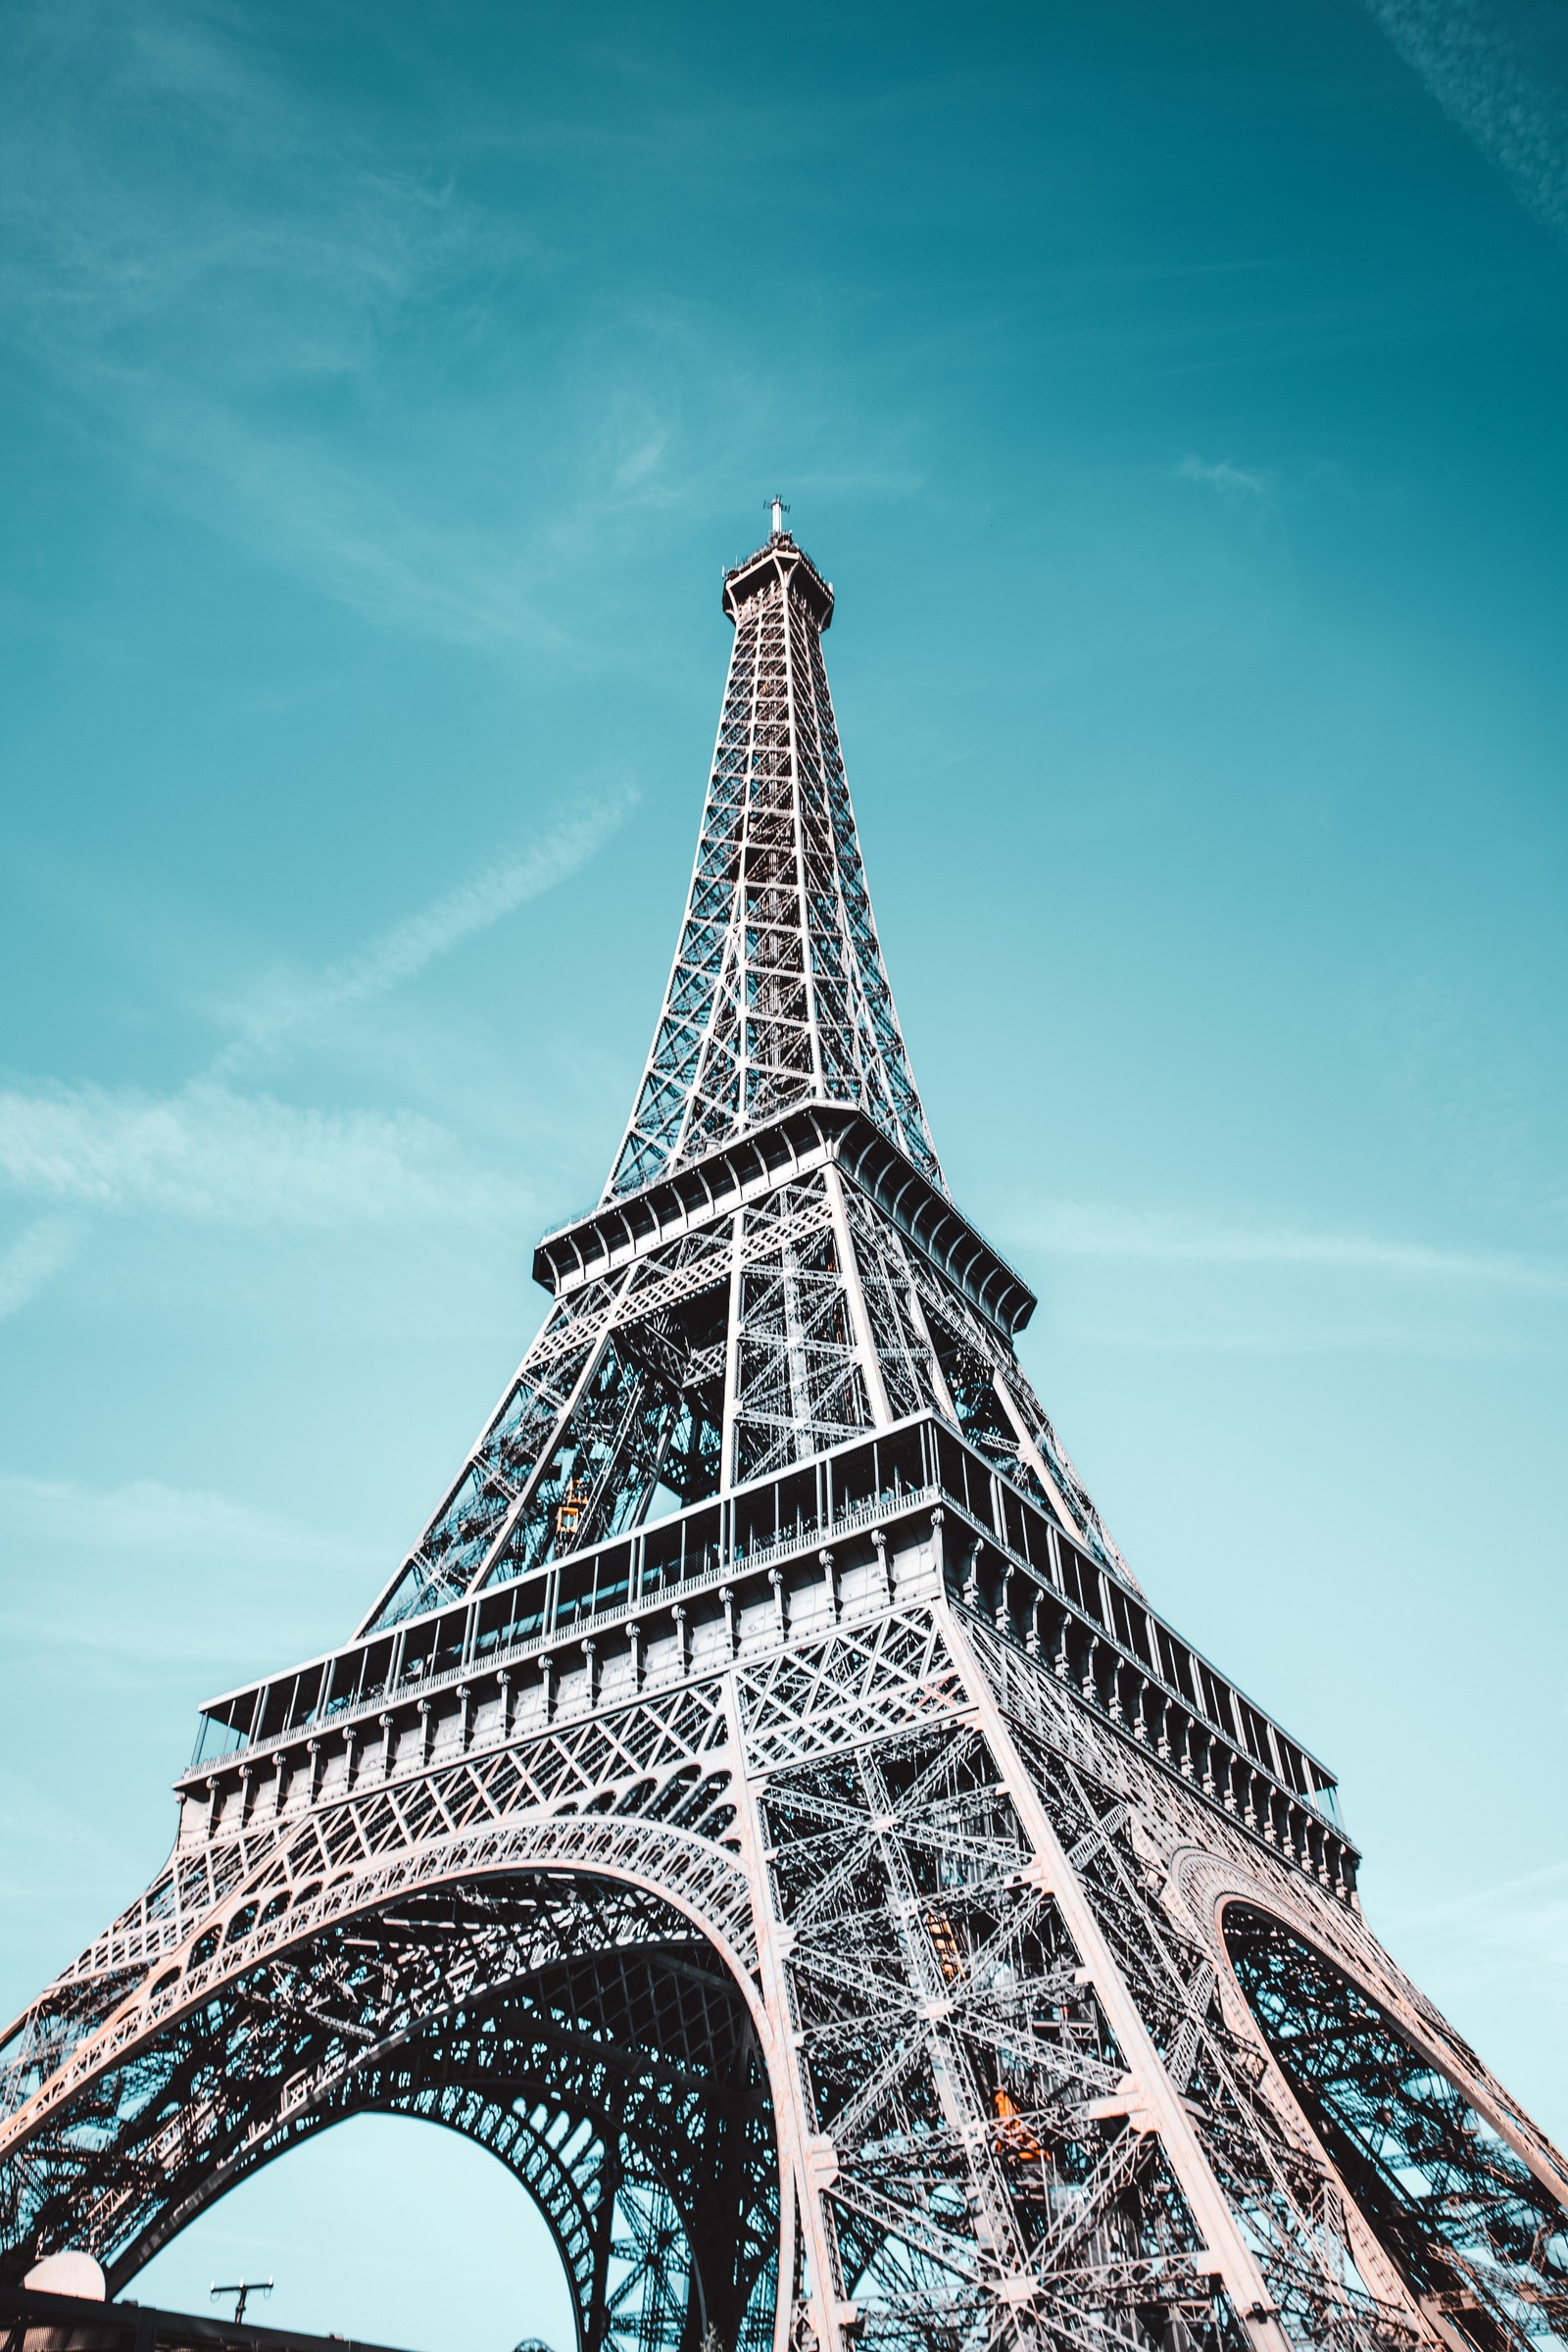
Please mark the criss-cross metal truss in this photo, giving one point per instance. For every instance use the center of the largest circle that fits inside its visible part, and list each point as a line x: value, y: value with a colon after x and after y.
x: 764, y: 1811
x: 777, y: 995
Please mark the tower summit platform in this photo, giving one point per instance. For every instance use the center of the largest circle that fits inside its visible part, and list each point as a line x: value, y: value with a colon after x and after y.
x: 783, y: 563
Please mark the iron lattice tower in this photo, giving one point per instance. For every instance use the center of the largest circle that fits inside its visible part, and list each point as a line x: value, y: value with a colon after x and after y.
x: 764, y: 1810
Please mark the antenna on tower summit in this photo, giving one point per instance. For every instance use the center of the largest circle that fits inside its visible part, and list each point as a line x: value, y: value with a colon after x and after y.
x: 780, y: 510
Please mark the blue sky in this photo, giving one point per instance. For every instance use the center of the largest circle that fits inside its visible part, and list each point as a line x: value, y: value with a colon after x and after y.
x: 1176, y: 398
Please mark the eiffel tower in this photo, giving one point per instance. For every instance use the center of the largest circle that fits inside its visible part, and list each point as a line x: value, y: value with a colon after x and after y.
x: 763, y: 1808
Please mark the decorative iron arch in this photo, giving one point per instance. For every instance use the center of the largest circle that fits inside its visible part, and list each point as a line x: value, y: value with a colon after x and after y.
x: 586, y: 2002
x: 1479, y: 2240
x: 584, y: 2189
x: 519, y: 2143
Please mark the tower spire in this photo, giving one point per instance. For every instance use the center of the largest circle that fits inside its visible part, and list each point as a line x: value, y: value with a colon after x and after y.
x: 778, y: 994
x: 775, y: 1263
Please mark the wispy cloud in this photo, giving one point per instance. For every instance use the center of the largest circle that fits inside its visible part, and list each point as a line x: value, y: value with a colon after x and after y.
x: 118, y: 1554
x: 1079, y: 1230
x: 285, y: 1006
x: 218, y: 1153
x: 215, y: 1156
x: 1494, y: 1955
x: 324, y: 517
x: 1232, y: 482
x: 218, y: 269
x: 32, y: 1260
x: 147, y: 1518
x: 1530, y: 1897
x: 1491, y: 79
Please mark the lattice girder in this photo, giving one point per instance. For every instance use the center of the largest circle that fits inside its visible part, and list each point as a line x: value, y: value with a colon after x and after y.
x: 764, y: 1336
x: 778, y: 992
x: 579, y: 2056
x: 764, y: 1809
x: 1009, y: 2099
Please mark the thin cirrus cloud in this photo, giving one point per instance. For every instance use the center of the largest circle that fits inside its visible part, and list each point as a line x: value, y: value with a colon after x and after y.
x: 146, y: 1516
x: 1518, y: 1928
x: 192, y: 289
x: 212, y: 1156
x: 1079, y: 1230
x: 30, y: 1263
x: 127, y: 1545
x: 313, y: 512
x: 286, y: 1010
x: 1232, y: 482
x: 1491, y: 78
x: 215, y: 1152
x: 1534, y: 1905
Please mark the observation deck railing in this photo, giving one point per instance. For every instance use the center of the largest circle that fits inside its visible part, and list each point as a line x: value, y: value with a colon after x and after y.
x: 748, y: 1570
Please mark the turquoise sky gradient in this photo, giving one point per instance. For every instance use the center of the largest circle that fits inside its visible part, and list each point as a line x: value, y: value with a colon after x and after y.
x: 1176, y: 398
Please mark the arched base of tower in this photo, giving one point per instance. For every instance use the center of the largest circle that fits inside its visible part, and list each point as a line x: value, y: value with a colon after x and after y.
x: 580, y: 2031
x: 1479, y: 2241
